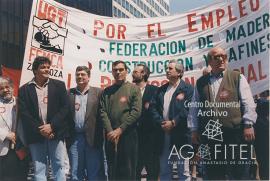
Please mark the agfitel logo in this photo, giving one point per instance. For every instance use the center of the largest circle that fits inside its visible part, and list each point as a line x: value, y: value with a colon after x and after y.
x: 213, y: 130
x: 49, y: 31
x: 204, y: 152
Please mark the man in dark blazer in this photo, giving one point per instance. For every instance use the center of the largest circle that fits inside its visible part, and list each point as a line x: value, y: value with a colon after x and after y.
x: 86, y: 148
x: 147, y: 131
x: 43, y: 107
x: 170, y: 113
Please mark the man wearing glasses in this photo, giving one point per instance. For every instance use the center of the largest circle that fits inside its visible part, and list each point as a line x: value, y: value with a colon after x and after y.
x: 120, y: 108
x: 224, y: 120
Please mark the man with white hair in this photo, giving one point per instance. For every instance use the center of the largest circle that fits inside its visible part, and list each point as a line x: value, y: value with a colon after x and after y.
x: 170, y: 113
x: 227, y: 122
x: 9, y: 161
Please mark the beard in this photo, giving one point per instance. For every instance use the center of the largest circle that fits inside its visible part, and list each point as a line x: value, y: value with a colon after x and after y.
x: 137, y: 80
x: 7, y: 98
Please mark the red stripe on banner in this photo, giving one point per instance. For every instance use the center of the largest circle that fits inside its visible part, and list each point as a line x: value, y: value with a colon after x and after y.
x: 14, y: 75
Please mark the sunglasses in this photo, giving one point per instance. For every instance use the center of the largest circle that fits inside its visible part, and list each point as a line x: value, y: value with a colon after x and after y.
x: 218, y: 57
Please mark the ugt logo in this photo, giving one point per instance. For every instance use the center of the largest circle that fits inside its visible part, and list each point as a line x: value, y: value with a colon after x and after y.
x: 50, y: 30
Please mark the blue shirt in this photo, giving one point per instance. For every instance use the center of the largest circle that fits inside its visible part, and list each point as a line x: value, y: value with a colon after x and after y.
x: 80, y: 110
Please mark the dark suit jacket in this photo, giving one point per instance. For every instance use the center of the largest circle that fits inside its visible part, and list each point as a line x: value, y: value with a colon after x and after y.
x: 177, y: 111
x: 57, y: 111
x: 147, y: 129
x: 92, y: 125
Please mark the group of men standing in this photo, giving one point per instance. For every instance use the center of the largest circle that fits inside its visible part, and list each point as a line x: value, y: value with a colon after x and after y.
x: 139, y: 123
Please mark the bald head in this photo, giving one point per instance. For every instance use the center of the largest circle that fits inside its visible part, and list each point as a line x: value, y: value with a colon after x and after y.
x: 217, y: 59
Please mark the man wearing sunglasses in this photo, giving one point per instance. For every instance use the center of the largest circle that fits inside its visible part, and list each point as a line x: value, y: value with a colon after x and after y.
x: 224, y: 120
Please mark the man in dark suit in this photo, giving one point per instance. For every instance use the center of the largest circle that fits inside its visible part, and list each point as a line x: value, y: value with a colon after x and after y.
x: 43, y: 107
x: 147, y: 143
x: 86, y: 147
x: 170, y: 113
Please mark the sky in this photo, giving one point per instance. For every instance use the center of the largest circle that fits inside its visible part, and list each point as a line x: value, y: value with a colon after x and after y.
x: 181, y: 6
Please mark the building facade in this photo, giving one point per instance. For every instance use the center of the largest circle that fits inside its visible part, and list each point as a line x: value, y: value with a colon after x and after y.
x: 14, y: 18
x: 140, y: 8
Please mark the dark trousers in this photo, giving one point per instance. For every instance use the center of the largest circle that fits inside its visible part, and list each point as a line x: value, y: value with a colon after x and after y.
x: 13, y: 169
x: 231, y: 166
x: 122, y: 161
x: 148, y: 155
x: 262, y: 151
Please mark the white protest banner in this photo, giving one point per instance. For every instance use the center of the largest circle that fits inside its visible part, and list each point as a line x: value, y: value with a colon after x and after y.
x: 70, y: 37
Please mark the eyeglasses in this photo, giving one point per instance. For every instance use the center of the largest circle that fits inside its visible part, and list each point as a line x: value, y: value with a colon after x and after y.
x: 218, y: 57
x: 120, y: 69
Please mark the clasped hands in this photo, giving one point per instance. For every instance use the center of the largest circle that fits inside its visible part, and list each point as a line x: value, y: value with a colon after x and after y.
x: 167, y: 125
x: 46, y: 131
x: 114, y: 135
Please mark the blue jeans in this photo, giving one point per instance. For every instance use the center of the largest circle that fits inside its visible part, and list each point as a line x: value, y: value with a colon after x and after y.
x: 54, y: 149
x: 85, y: 160
x: 166, y: 166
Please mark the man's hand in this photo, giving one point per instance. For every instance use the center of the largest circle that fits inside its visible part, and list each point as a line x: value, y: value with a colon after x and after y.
x: 167, y: 125
x: 46, y: 131
x: 195, y: 138
x: 114, y: 135
x: 249, y: 134
x: 12, y: 137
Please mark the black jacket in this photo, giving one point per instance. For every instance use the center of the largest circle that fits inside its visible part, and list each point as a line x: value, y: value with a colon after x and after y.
x: 180, y: 134
x: 57, y: 111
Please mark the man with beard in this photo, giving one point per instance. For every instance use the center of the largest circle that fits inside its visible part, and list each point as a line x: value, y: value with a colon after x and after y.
x: 120, y: 109
x: 147, y: 131
x: 169, y: 112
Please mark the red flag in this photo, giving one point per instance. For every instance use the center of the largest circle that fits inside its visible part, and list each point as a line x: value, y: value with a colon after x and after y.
x: 14, y: 75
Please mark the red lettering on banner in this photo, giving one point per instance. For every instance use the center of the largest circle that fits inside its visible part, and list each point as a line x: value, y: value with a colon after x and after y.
x: 207, y: 22
x: 241, y: 8
x: 254, y: 7
x: 252, y: 73
x: 52, y: 13
x: 105, y: 82
x: 190, y: 80
x: 98, y: 25
x: 151, y: 29
x: 111, y: 30
x: 218, y: 15
x: 68, y: 81
x: 191, y: 23
x: 57, y: 60
x: 261, y: 76
x: 231, y: 17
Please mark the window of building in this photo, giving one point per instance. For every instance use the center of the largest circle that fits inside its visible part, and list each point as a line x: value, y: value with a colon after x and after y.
x: 18, y: 8
x: 132, y: 10
x: 4, y: 5
x: 115, y: 11
x: 11, y: 6
x: 11, y: 29
x: 141, y: 4
x: 17, y: 32
x: 4, y: 27
x: 118, y: 13
x: 127, y: 5
x: 124, y: 3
